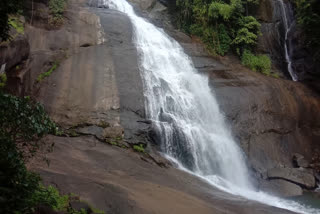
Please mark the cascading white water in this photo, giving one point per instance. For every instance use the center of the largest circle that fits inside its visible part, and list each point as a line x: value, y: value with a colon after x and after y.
x: 186, y: 114
x: 287, y: 23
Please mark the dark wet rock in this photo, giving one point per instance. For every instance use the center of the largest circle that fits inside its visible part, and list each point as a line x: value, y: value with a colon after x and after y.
x: 92, y: 130
x: 46, y: 210
x: 168, y: 3
x: 113, y: 132
x: 144, y: 4
x: 271, y: 42
x: 300, y: 161
x: 14, y: 52
x: 281, y: 188
x: 304, y: 64
x: 302, y: 177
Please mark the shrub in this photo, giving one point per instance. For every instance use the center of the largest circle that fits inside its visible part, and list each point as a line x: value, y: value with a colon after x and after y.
x: 57, y: 8
x: 16, y: 24
x: 16, y: 183
x: 23, y: 120
x: 220, y: 24
x: 48, y: 73
x: 50, y: 197
x: 22, y: 123
x: 7, y: 7
x: 247, y: 35
x: 260, y: 63
x: 3, y: 80
x: 139, y: 148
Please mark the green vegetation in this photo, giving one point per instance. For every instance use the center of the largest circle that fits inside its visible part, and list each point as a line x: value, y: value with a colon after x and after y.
x: 16, y: 24
x: 8, y: 8
x: 114, y: 143
x: 22, y: 123
x: 3, y: 80
x: 57, y: 8
x: 139, y: 148
x: 48, y: 73
x: 224, y: 26
x: 50, y: 197
x: 308, y: 17
x: 221, y: 24
x: 260, y: 63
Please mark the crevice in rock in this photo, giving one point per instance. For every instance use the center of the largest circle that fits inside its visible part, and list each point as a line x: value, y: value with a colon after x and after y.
x: 277, y: 131
x: 85, y: 45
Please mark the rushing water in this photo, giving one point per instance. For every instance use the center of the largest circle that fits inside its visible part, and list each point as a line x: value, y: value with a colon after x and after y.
x: 185, y: 112
x: 288, y: 22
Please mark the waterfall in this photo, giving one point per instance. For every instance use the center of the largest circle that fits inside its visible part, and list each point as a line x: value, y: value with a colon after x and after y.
x: 288, y: 22
x: 186, y: 114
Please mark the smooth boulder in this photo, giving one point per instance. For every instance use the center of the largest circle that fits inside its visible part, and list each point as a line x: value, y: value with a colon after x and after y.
x: 302, y: 177
x: 280, y: 188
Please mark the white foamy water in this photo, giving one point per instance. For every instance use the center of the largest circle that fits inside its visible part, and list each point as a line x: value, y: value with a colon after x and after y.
x: 287, y: 22
x: 186, y: 114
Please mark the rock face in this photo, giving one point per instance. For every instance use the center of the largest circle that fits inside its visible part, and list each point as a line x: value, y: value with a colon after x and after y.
x: 14, y: 52
x: 301, y: 177
x: 271, y: 119
x: 300, y: 161
x: 119, y: 181
x: 272, y: 41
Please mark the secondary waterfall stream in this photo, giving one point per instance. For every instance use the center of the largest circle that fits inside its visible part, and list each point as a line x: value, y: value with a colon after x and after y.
x: 288, y: 21
x: 186, y: 114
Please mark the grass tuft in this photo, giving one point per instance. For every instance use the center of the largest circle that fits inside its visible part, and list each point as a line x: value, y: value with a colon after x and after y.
x: 48, y: 73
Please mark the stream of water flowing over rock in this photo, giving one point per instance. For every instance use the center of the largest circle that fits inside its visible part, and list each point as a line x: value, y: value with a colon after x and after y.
x: 288, y: 22
x: 186, y: 114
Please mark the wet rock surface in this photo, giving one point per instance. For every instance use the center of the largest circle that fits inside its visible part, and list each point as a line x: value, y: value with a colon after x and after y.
x: 118, y: 180
x: 300, y: 161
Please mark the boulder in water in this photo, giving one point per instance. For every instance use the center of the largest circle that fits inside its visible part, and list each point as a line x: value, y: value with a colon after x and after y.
x: 302, y: 177
x: 280, y: 188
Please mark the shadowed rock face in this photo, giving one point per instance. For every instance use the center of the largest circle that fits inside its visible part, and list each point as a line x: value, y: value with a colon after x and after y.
x: 272, y: 42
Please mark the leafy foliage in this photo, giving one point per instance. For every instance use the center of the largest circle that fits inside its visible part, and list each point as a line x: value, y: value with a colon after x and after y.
x: 260, y: 63
x: 308, y: 17
x: 22, y: 122
x: 7, y: 7
x: 50, y: 197
x: 139, y: 148
x: 16, y: 183
x: 57, y: 8
x: 16, y: 24
x: 48, y: 73
x: 3, y: 80
x: 221, y: 24
x: 247, y: 35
